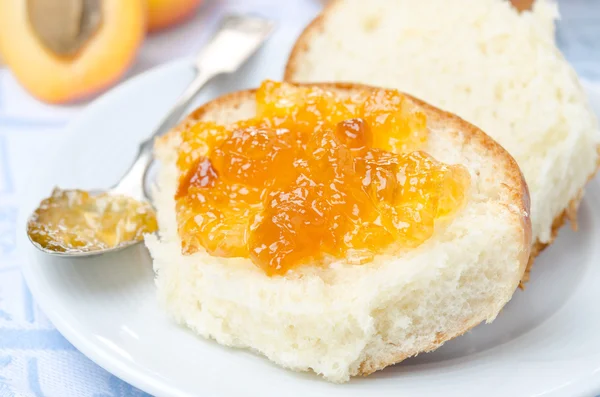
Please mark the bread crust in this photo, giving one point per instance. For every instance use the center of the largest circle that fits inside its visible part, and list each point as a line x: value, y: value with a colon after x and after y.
x: 370, y: 365
x: 568, y: 214
x: 515, y: 184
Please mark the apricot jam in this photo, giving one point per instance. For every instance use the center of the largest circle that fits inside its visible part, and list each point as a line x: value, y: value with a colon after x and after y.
x: 75, y: 221
x: 315, y: 176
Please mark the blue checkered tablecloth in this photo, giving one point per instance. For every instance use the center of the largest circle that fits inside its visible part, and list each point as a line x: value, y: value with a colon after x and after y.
x: 35, y: 360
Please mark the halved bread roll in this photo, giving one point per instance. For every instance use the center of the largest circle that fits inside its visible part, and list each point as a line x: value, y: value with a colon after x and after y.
x: 341, y: 320
x: 482, y: 60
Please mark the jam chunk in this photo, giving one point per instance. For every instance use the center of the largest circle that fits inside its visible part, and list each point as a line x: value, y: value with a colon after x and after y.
x: 212, y: 213
x: 197, y: 141
x: 250, y: 155
x: 290, y: 228
x: 396, y: 126
x: 314, y: 177
x: 301, y: 108
x: 354, y: 133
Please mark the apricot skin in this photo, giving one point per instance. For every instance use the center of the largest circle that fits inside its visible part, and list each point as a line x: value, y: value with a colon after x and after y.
x: 99, y: 63
x: 165, y: 13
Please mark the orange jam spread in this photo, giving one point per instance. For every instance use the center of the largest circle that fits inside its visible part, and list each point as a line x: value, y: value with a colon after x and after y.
x: 314, y: 176
x: 75, y: 221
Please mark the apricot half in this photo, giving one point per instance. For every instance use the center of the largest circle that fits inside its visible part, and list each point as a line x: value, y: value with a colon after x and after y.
x: 165, y: 13
x: 64, y: 50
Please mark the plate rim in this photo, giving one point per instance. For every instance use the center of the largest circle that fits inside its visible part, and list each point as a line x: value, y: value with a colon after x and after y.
x: 132, y: 374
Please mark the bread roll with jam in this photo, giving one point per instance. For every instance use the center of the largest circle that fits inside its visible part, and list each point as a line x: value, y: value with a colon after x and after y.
x: 330, y: 313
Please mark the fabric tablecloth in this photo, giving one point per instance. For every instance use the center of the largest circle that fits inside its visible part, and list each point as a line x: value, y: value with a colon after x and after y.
x: 35, y: 360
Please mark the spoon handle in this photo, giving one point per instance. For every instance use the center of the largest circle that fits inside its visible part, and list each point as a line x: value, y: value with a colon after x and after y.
x: 132, y: 183
x: 201, y: 78
x: 238, y: 37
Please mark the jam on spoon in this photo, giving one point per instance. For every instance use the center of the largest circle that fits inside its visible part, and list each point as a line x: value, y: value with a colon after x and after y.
x: 77, y: 221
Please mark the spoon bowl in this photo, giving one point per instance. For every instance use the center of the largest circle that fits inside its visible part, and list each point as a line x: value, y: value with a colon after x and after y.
x: 87, y: 223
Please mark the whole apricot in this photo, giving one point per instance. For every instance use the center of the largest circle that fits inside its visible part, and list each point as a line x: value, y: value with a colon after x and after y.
x: 165, y: 13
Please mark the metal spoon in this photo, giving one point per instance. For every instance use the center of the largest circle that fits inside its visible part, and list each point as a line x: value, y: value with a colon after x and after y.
x: 238, y: 37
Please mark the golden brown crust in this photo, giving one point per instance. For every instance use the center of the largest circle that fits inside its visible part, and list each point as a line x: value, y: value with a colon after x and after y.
x: 369, y: 366
x: 514, y: 184
x: 538, y: 246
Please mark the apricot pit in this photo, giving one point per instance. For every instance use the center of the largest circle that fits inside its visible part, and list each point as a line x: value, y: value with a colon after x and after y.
x: 64, y: 25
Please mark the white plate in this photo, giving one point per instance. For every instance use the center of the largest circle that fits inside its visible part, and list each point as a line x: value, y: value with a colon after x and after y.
x: 546, y: 341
